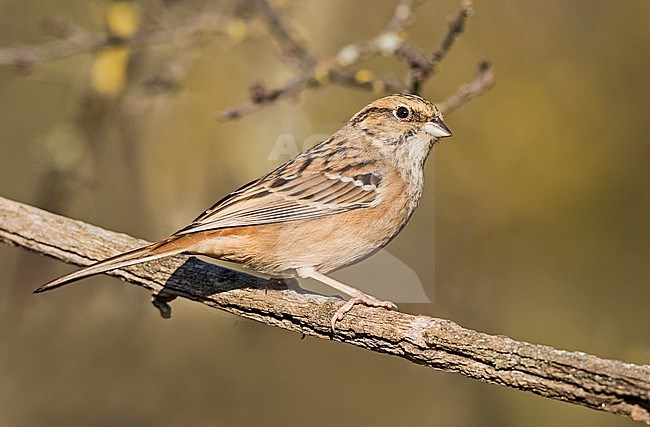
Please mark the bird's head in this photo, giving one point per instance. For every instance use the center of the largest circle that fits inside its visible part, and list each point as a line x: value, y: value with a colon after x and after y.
x: 401, y: 125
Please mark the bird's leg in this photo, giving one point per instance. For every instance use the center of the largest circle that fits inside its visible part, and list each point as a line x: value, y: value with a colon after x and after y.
x: 356, y: 296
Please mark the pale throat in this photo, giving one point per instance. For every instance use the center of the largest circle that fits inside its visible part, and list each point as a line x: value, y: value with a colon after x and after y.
x: 411, y: 157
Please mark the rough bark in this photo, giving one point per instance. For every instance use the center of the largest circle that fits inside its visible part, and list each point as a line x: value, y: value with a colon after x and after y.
x: 573, y: 377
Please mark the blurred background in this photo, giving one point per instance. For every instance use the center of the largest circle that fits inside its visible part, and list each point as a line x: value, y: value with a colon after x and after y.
x: 533, y: 223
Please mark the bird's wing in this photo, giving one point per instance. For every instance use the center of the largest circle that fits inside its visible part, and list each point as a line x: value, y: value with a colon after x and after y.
x: 280, y: 197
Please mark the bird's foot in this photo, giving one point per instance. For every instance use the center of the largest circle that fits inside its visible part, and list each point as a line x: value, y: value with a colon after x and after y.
x: 361, y: 298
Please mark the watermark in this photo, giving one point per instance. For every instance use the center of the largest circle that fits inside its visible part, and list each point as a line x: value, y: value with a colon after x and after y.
x: 287, y: 146
x: 382, y: 275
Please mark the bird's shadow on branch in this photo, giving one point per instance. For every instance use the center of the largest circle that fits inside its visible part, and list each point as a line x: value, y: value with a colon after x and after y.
x: 199, y: 280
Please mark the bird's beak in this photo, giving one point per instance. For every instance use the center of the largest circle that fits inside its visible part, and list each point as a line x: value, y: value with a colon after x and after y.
x: 437, y: 128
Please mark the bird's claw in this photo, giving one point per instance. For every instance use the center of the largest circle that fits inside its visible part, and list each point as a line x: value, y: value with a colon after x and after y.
x: 359, y: 299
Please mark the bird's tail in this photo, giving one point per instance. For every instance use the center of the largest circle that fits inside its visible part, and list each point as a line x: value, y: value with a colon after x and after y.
x: 154, y: 251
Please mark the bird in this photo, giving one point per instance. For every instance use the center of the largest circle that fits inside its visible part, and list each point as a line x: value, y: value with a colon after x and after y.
x: 331, y: 206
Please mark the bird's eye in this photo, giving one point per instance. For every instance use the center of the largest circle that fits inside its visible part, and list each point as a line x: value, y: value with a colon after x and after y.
x: 402, y: 113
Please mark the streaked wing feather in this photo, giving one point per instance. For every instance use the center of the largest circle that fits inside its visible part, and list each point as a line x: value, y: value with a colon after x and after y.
x: 288, y: 198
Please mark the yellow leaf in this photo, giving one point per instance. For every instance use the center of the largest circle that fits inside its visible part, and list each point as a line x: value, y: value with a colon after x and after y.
x: 363, y: 76
x: 123, y: 18
x: 237, y: 30
x: 108, y: 74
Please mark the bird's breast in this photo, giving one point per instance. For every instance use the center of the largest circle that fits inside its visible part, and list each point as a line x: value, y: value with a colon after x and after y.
x: 326, y: 243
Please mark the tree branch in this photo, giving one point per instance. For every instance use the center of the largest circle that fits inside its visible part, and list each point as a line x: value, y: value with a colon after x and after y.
x: 456, y: 26
x: 76, y: 40
x: 483, y: 81
x: 292, y: 48
x: 390, y: 41
x: 573, y: 377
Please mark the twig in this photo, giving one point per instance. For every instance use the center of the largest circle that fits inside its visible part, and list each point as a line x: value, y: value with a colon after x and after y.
x: 482, y: 82
x: 421, y: 68
x: 364, y: 79
x: 291, y: 46
x: 23, y: 58
x: 313, y: 72
x: 386, y: 43
x: 261, y: 95
x: 333, y: 69
x: 402, y: 15
x: 81, y: 41
x: 574, y: 377
x: 456, y: 26
x: 391, y: 41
